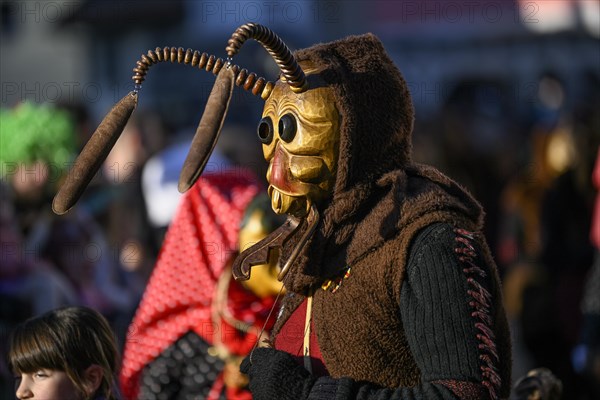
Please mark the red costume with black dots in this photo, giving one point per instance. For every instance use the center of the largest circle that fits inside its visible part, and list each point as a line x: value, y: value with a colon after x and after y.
x: 167, y: 349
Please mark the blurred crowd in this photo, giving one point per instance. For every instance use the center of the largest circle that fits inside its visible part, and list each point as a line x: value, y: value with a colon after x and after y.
x: 100, y: 254
x: 537, y: 178
x: 532, y: 172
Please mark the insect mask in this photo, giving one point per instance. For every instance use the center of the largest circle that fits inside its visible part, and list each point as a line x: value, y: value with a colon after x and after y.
x: 298, y: 130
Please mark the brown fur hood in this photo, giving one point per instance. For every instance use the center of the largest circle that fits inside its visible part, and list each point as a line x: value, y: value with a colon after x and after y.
x: 379, y: 191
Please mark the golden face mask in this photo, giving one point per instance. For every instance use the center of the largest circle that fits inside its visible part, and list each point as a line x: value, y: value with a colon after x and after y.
x: 300, y: 136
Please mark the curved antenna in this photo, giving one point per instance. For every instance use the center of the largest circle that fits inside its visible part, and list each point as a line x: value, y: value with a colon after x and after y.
x: 104, y: 138
x: 251, y: 82
x: 277, y: 49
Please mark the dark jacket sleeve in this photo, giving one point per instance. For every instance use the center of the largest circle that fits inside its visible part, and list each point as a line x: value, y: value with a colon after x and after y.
x: 445, y: 308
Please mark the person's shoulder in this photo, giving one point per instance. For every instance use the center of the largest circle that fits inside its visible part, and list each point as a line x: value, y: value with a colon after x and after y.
x: 444, y: 245
x: 433, y: 235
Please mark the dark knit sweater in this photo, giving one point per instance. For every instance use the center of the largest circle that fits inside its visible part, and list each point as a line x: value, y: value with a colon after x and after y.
x: 440, y: 329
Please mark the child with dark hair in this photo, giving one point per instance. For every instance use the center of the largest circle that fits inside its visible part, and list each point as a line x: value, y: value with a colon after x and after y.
x: 64, y: 354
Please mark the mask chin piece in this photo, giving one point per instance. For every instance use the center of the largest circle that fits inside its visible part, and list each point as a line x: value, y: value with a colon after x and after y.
x: 259, y: 253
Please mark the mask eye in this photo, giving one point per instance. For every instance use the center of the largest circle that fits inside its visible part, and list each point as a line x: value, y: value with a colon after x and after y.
x: 265, y: 130
x: 287, y: 128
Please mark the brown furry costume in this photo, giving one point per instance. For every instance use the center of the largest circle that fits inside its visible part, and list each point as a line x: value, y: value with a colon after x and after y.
x: 374, y: 223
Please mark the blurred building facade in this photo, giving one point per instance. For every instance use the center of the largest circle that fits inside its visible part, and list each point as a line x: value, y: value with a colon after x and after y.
x: 71, y: 51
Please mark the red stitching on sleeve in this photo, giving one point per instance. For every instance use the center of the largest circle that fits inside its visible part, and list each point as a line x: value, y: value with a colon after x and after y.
x: 480, y: 303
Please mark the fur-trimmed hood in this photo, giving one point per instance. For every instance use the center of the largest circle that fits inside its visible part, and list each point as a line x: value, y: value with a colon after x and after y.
x: 378, y: 188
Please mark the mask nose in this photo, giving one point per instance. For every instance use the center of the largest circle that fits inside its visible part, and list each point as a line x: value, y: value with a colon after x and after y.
x: 279, y: 174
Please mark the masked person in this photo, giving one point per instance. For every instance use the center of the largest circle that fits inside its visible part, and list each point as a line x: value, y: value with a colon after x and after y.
x: 395, y: 293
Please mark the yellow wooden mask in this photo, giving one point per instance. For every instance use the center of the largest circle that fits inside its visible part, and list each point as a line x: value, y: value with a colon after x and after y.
x: 300, y: 137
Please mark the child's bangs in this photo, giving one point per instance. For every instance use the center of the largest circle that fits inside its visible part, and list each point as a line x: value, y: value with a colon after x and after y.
x: 32, y: 349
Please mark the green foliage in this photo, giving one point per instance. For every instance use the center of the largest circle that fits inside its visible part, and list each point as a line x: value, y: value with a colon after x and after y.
x: 30, y: 133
